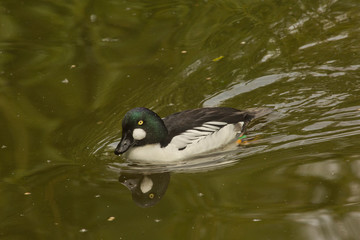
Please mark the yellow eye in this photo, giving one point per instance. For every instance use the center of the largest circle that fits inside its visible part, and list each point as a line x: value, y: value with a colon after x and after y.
x: 151, y: 195
x: 141, y: 122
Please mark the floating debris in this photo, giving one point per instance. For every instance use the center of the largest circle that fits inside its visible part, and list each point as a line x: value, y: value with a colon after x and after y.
x: 72, y: 66
x: 110, y: 219
x: 65, y: 81
x: 109, y: 40
x: 3, y: 146
x: 83, y: 230
x: 27, y: 193
x: 218, y: 58
x: 183, y: 51
x: 93, y: 18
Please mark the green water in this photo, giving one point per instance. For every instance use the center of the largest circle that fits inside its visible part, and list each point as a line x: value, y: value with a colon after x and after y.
x: 70, y: 70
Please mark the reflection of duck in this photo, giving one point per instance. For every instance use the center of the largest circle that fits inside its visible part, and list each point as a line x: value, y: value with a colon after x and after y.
x: 147, y: 137
x: 146, y: 189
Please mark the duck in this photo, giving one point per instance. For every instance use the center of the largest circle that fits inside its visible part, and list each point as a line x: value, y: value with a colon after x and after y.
x: 147, y: 137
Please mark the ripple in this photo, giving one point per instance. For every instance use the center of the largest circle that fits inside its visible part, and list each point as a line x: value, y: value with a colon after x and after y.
x: 244, y: 87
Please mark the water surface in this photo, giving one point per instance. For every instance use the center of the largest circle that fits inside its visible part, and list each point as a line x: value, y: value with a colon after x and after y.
x: 69, y: 71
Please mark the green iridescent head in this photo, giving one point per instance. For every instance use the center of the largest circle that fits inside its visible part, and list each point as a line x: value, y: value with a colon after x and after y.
x: 141, y: 126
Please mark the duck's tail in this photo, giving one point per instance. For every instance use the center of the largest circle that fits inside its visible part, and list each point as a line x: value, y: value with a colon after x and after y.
x: 253, y: 113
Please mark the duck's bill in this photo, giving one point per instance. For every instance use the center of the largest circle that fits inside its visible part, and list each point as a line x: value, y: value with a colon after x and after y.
x: 123, y: 146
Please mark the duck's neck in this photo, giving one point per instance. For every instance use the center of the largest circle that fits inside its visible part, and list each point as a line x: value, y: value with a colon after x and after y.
x: 157, y: 131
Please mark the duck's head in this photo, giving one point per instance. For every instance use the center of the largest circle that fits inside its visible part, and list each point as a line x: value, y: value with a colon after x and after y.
x: 141, y: 126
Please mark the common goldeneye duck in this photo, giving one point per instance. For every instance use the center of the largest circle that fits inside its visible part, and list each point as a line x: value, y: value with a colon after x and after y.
x: 147, y: 137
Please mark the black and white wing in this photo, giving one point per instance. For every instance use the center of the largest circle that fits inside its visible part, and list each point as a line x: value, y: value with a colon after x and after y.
x: 188, y: 127
x: 197, y: 134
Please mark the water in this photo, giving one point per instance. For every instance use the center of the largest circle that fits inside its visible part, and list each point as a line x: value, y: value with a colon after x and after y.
x: 69, y: 71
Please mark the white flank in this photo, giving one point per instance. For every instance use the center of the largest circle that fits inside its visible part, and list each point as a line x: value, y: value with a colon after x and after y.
x: 197, y: 134
x: 188, y: 144
x: 139, y: 134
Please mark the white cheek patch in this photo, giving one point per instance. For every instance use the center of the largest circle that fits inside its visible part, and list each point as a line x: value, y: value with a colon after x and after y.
x: 138, y: 134
x: 146, y: 185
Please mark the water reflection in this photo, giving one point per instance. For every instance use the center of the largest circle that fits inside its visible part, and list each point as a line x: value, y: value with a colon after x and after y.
x: 148, y: 182
x: 146, y: 189
x: 327, y: 224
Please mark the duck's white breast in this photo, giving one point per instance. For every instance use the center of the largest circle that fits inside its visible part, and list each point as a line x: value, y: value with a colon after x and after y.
x: 153, y: 153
